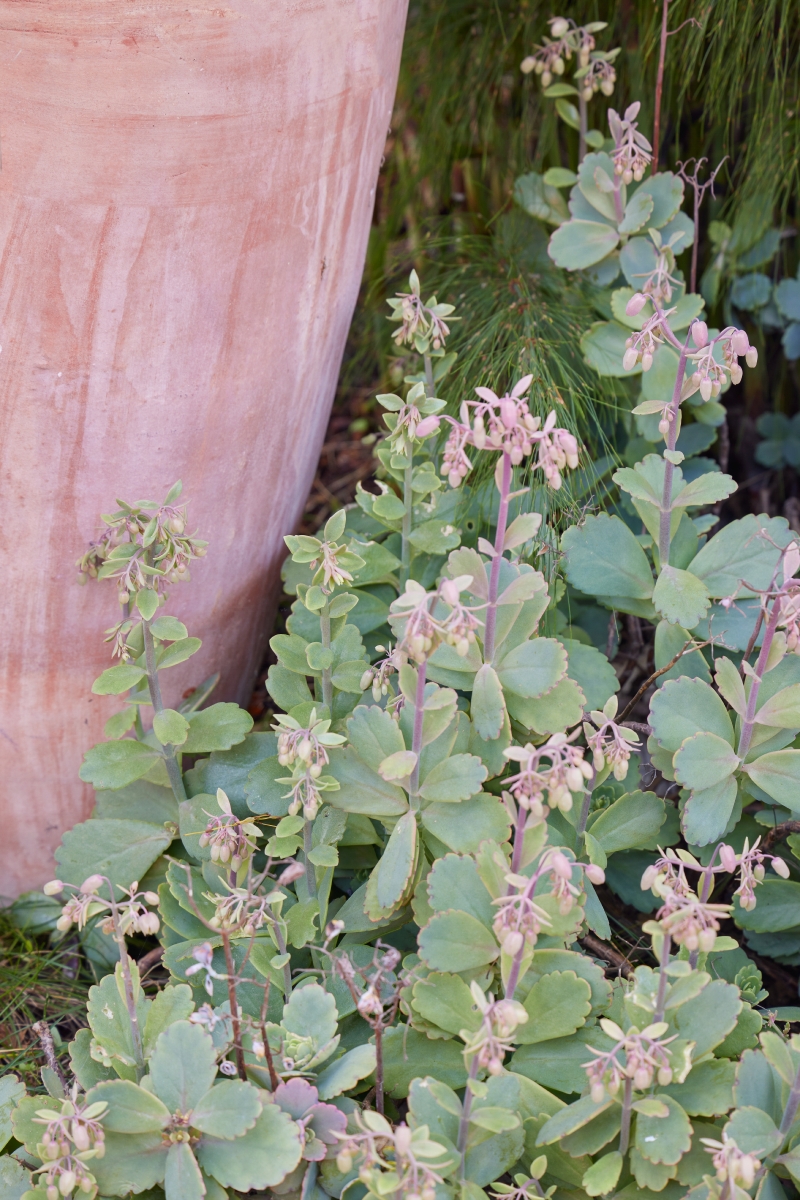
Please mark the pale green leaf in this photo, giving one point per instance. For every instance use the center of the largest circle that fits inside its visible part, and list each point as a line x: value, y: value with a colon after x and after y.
x: 228, y: 1110
x: 683, y: 707
x: 121, y: 850
x: 183, y: 1066
x: 260, y: 1159
x: 131, y: 1109
x: 217, y: 728
x: 118, y: 679
x: 680, y: 597
x: 487, y: 708
x: 579, y: 244
x: 464, y: 826
x: 344, y: 1073
x: 533, y: 668
x: 456, y: 941
x: 603, y: 558
x: 456, y: 778
x: 664, y: 1139
x: 704, y: 761
x: 115, y: 764
x: 630, y: 823
x: 557, y: 1005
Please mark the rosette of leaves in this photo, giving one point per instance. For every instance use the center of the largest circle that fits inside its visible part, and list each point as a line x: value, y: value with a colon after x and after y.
x: 182, y: 1127
x: 323, y: 642
x: 698, y: 740
x: 706, y: 1028
x: 606, y: 215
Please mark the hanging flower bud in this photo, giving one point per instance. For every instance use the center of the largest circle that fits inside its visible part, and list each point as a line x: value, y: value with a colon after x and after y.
x: 751, y: 356
x: 558, y: 27
x: 630, y: 359
x: 636, y: 304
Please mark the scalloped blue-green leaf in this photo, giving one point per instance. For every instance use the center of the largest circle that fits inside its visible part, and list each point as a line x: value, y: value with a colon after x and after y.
x: 603, y: 558
x: 557, y: 1005
x: 737, y: 555
x: 684, y: 707
x: 462, y: 827
x: 456, y: 941
x: 183, y: 1066
x: 579, y: 244
x: 217, y: 728
x: 374, y: 735
x: 603, y: 347
x: 704, y: 761
x: 260, y: 1159
x: 592, y: 672
x: 637, y: 211
x: 533, y: 668
x: 778, y: 774
x: 121, y: 850
x: 454, y: 882
x: 552, y: 713
x: 680, y: 597
x: 707, y: 813
x: 667, y: 192
x: 630, y: 823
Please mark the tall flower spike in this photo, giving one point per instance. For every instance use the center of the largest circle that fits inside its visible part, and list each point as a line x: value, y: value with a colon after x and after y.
x: 505, y: 423
x: 633, y: 153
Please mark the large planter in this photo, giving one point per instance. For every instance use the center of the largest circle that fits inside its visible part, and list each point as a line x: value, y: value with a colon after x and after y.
x: 185, y: 199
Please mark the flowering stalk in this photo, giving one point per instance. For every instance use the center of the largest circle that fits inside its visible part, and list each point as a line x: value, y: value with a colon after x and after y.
x: 419, y: 717
x: 662, y: 978
x: 755, y: 683
x: 625, y: 1123
x: 494, y: 577
x: 665, y: 521
x: 662, y: 54
x: 234, y: 1006
x: 170, y: 758
x: 130, y: 999
x: 463, y: 1122
x: 325, y: 638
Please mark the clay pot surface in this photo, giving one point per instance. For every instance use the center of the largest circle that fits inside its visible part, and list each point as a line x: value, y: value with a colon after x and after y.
x: 185, y: 199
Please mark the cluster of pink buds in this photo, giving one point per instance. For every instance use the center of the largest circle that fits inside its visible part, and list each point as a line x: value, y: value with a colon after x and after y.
x: 709, y: 375
x: 567, y: 38
x: 130, y: 914
x: 750, y: 864
x: 71, y: 1138
x: 421, y: 325
x: 730, y: 1163
x: 145, y: 546
x: 610, y: 743
x: 331, y: 562
x: 641, y: 346
x: 230, y: 838
x: 519, y: 919
x: 598, y: 76
x: 422, y: 627
x: 633, y: 152
x: 241, y: 909
x: 505, y: 423
x: 556, y: 768
x: 399, y: 1156
x: 688, y: 918
x: 493, y: 1039
x: 308, y: 744
x: 410, y: 419
x: 646, y: 1058
x: 377, y: 675
x: 305, y: 750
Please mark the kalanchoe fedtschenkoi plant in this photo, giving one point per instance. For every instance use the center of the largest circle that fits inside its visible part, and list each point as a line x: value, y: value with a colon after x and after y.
x: 455, y: 785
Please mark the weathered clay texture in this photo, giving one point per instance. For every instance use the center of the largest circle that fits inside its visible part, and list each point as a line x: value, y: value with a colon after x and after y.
x: 185, y: 198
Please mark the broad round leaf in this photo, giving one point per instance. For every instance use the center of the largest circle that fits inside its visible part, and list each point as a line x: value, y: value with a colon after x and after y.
x: 131, y: 1109
x: 228, y: 1110
x: 456, y: 941
x: 116, y: 764
x: 704, y: 761
x: 261, y: 1158
x: 183, y: 1066
x: 533, y: 668
x: 579, y: 244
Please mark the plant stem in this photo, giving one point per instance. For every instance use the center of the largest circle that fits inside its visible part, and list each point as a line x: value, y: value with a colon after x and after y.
x: 697, y: 201
x: 234, y: 1006
x: 325, y: 637
x: 790, y: 1112
x: 405, y: 533
x: 755, y: 684
x: 419, y: 716
x: 519, y: 840
x: 705, y: 892
x: 173, y: 769
x: 582, y: 126
x: 625, y: 1126
x: 664, y: 536
x: 494, y: 577
x: 587, y: 804
x: 430, y: 386
x: 127, y: 979
x: 463, y: 1124
x: 662, y: 54
x: 662, y: 978
x: 379, y: 1102
x: 311, y: 874
x: 287, y: 970
x: 273, y: 1075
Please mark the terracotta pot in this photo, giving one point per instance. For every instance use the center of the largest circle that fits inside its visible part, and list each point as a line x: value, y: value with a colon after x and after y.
x: 185, y: 199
